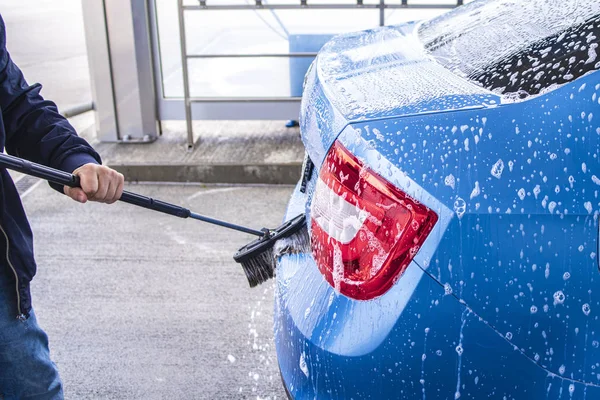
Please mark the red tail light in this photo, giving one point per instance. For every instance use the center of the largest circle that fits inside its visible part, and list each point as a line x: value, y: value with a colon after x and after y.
x: 365, y: 231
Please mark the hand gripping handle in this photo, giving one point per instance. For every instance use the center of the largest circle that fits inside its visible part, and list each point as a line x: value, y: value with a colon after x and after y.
x: 67, y: 179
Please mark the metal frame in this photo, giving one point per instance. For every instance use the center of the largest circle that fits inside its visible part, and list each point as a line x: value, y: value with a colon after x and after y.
x: 173, y: 108
x: 256, y: 107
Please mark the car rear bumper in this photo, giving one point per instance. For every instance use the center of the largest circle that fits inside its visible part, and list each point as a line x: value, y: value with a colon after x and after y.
x: 438, y: 348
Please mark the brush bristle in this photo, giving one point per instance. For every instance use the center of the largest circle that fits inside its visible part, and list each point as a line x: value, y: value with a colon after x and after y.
x: 258, y: 257
x: 297, y: 243
x: 259, y: 268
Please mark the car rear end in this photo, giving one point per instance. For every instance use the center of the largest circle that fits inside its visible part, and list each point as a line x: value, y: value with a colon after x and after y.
x: 444, y: 262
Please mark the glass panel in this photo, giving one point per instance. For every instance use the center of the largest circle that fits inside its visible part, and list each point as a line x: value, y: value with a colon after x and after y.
x: 398, y: 16
x: 312, y: 2
x: 237, y: 32
x: 315, y: 2
x: 433, y: 2
x: 247, y: 77
x: 277, y: 2
x: 247, y: 2
x: 266, y: 31
x: 443, y: 3
x: 169, y: 51
x: 336, y: 2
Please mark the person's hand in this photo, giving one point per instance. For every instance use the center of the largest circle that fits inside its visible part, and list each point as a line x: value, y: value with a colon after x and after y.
x: 98, y: 183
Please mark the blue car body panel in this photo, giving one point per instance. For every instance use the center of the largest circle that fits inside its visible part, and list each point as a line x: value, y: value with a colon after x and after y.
x: 502, y: 300
x: 524, y: 253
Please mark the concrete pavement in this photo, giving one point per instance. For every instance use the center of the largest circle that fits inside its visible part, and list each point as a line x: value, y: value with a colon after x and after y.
x: 140, y: 305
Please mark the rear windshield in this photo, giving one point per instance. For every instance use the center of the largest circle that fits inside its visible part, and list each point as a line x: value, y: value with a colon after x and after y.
x: 515, y: 47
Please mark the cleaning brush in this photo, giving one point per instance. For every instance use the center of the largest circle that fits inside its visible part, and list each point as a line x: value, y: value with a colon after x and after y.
x: 257, y: 258
x: 256, y: 255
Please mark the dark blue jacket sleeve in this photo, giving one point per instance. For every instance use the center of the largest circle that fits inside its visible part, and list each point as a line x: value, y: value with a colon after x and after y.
x: 34, y: 128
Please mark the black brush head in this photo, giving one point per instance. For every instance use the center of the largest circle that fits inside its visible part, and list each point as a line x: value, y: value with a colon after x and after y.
x: 259, y: 268
x: 257, y: 257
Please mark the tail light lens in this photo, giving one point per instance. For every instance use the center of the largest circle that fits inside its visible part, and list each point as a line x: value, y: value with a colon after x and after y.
x: 365, y: 231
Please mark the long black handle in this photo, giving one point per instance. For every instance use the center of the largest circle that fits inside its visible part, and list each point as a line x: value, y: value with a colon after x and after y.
x: 67, y: 179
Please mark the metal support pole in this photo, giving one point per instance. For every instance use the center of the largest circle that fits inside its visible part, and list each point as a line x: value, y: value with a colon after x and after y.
x: 121, y: 67
x: 186, y: 79
x: 381, y: 12
x: 101, y: 73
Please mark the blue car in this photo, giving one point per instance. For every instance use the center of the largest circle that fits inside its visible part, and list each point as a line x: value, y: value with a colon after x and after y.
x: 451, y: 188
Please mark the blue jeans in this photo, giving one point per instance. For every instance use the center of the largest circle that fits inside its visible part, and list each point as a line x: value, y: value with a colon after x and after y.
x: 26, y: 371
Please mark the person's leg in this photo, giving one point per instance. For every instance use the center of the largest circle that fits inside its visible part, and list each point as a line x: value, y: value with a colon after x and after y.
x: 26, y: 371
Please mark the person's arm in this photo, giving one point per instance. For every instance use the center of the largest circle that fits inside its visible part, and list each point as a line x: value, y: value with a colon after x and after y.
x: 37, y: 132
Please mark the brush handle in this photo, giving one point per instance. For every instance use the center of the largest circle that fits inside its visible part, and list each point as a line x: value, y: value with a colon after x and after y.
x: 67, y: 179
